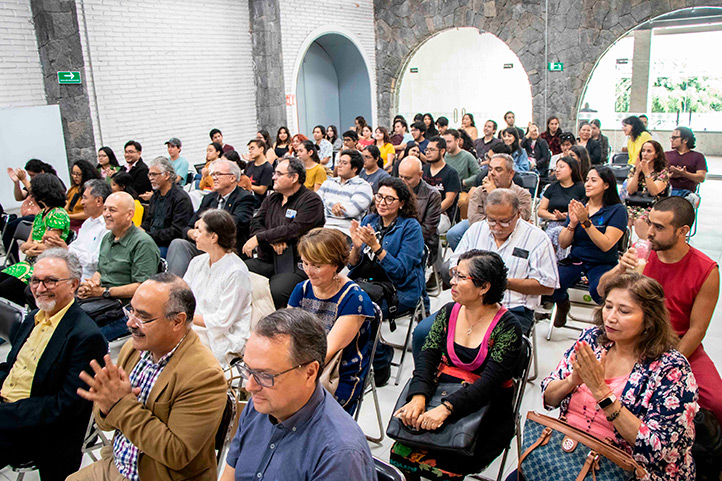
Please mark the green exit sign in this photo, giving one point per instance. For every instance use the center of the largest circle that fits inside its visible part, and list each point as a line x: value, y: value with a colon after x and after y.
x: 68, y: 78
x: 556, y: 66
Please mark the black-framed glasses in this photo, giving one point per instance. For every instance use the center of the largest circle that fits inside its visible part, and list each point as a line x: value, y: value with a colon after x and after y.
x: 48, y: 283
x: 386, y: 199
x: 140, y: 322
x: 675, y: 137
x: 263, y: 379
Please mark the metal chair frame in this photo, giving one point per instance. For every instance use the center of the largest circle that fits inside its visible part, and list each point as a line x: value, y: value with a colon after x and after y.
x: 386, y: 472
x: 417, y: 314
x: 22, y: 232
x: 370, y: 381
x: 11, y: 316
x: 527, y: 178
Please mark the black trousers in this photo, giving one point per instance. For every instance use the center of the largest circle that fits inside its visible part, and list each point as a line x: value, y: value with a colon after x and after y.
x: 282, y: 285
x: 53, y: 462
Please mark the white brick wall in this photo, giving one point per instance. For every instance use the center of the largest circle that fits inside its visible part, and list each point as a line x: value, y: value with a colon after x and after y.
x: 169, y: 68
x: 21, y: 77
x: 299, y: 18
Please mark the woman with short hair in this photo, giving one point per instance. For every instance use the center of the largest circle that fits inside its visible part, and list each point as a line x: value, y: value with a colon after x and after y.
x: 638, y: 135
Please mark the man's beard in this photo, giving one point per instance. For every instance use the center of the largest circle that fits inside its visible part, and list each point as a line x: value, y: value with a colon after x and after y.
x: 46, y: 305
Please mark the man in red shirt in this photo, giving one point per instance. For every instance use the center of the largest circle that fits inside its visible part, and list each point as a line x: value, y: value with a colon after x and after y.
x: 691, y: 285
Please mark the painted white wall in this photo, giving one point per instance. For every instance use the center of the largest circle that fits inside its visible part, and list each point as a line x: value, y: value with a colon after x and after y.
x: 169, y: 68
x: 302, y: 23
x: 317, y: 91
x: 21, y: 77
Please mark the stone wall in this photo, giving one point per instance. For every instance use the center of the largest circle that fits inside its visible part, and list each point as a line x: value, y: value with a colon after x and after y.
x: 579, y: 32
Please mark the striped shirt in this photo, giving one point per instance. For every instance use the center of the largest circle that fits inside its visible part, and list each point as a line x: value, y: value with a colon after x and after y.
x: 144, y: 375
x: 527, y: 253
x: 354, y: 195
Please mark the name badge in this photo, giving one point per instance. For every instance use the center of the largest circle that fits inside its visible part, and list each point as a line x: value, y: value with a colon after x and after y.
x: 522, y: 253
x: 290, y: 214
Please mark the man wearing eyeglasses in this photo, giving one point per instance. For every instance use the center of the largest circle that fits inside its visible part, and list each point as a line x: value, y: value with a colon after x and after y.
x: 137, y: 169
x: 165, y: 397
x: 284, y: 217
x: 292, y: 428
x: 227, y: 196
x: 42, y: 419
x: 170, y: 206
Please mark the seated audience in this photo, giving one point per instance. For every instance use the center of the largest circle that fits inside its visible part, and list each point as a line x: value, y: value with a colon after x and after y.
x: 42, y: 418
x: 213, y: 153
x: 81, y: 172
x: 512, y: 138
x: 259, y: 170
x: 283, y: 139
x: 555, y: 200
x: 465, y: 142
x: 594, y: 148
x: 649, y: 177
x: 510, y: 120
x: 552, y: 135
x: 296, y: 140
x: 687, y: 167
x: 475, y: 340
x: 284, y: 217
x: 486, y: 142
x: 634, y: 128
x: 244, y: 182
x: 52, y: 221
x: 537, y: 150
x: 365, y: 137
x: 373, y: 171
x: 350, y: 140
x: 221, y: 285
x: 428, y: 202
x: 217, y: 137
x: 593, y: 230
x: 567, y: 140
x: 180, y: 163
x: 386, y: 148
x: 628, y: 365
x: 165, y: 397
x: 418, y: 132
x: 307, y: 152
x: 137, y: 169
x: 444, y: 178
x: 122, y: 182
x: 335, y: 141
x: 401, y: 137
x: 601, y: 138
x: 690, y: 281
x: 442, y: 123
x: 127, y: 257
x: 345, y: 310
x: 107, y: 163
x: 265, y: 137
x: 465, y: 165
x: 386, y: 258
x: 226, y: 196
x: 86, y: 245
x: 170, y: 206
x: 283, y: 360
x: 467, y: 125
x: 500, y: 176
x: 431, y: 130
x: 346, y: 197
x: 581, y: 155
x: 324, y: 148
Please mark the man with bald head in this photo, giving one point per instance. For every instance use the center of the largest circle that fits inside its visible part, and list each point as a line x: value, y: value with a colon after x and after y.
x: 428, y: 200
x: 128, y: 256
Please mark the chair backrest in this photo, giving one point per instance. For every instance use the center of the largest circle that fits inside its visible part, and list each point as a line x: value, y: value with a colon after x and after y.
x: 531, y: 182
x: 23, y: 230
x: 190, y: 177
x: 522, y: 374
x: 386, y: 472
x: 620, y: 158
x: 11, y: 316
x: 227, y: 428
x: 621, y: 171
x: 199, y: 167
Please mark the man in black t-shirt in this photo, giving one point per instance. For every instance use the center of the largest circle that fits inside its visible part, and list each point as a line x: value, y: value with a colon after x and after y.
x: 259, y: 170
x: 443, y: 178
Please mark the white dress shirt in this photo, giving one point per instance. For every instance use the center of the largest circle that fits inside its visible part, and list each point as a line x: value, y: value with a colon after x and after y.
x: 527, y: 254
x: 87, y: 244
x: 223, y: 298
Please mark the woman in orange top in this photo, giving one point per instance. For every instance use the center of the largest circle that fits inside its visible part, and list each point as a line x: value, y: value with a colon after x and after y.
x: 213, y: 153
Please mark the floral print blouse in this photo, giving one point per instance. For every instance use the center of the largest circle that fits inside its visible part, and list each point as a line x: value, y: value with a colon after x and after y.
x: 662, y: 393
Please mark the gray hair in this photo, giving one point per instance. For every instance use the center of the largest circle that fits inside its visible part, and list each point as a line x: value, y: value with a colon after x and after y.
x: 503, y: 197
x: 180, y: 296
x: 165, y: 165
x: 232, y: 167
x: 71, y: 260
x: 306, y: 331
x: 98, y: 188
x: 509, y: 160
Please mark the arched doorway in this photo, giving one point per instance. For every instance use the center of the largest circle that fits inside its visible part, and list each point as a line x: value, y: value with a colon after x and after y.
x: 333, y: 84
x: 465, y: 70
x: 662, y: 68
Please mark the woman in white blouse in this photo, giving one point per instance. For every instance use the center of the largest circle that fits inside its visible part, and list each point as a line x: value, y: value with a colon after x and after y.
x: 221, y: 284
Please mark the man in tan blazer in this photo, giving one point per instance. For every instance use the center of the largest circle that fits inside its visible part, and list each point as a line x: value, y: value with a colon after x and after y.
x: 166, y: 396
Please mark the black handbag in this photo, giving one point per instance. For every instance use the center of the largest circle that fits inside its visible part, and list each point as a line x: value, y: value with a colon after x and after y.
x: 639, y: 200
x: 102, y: 310
x: 456, y: 435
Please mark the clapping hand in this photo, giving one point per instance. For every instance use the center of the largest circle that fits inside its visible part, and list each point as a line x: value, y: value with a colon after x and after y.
x: 12, y: 174
x: 109, y: 385
x: 577, y: 212
x: 646, y: 166
x: 338, y: 210
x: 558, y: 215
x: 589, y: 369
x: 354, y: 230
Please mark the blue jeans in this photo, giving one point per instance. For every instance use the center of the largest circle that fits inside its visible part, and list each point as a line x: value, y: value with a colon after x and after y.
x: 454, y: 235
x: 115, y: 329
x: 570, y: 274
x: 680, y: 192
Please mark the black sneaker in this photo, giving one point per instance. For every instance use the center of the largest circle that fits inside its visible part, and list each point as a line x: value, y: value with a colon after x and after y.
x: 382, y: 376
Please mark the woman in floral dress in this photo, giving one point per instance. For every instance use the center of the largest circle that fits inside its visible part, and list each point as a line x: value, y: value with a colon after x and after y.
x: 649, y: 176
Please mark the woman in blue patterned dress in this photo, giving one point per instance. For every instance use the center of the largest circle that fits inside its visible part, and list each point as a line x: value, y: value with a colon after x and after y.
x: 345, y: 309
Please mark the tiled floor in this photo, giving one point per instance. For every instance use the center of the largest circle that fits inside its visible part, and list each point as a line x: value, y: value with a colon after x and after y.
x: 708, y: 239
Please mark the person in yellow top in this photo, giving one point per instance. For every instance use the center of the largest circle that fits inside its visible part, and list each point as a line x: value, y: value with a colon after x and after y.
x: 383, y: 142
x: 42, y: 418
x: 315, y: 172
x: 213, y: 153
x: 81, y: 172
x: 638, y: 135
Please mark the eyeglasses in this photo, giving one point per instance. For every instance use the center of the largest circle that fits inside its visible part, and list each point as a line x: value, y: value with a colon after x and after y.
x: 343, y: 162
x: 130, y: 314
x: 459, y: 277
x: 215, y: 175
x: 432, y: 149
x: 502, y: 223
x: 279, y: 174
x: 386, y: 199
x: 48, y: 283
x: 153, y: 175
x: 263, y: 379
x: 675, y: 137
x: 309, y: 268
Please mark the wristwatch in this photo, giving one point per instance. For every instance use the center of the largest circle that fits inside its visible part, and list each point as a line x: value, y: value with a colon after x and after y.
x: 587, y: 224
x: 106, y: 293
x: 607, y: 401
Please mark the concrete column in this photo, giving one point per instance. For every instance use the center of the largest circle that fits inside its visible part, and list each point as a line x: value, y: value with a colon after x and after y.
x: 265, y: 25
x: 640, y: 71
x: 56, y: 29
